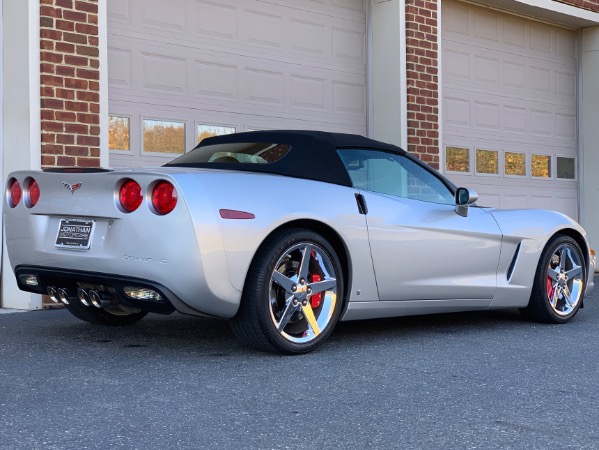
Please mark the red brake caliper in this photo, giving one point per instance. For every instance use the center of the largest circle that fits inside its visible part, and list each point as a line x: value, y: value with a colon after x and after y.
x: 315, y: 299
x: 315, y: 278
x: 549, y: 287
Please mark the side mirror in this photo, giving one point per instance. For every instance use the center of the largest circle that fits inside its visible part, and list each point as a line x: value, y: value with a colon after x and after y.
x: 463, y: 198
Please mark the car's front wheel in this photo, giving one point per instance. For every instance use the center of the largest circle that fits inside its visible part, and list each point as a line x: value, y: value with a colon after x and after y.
x: 293, y: 294
x: 559, y: 282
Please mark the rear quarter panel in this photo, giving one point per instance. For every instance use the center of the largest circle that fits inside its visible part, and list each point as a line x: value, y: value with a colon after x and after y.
x: 278, y: 201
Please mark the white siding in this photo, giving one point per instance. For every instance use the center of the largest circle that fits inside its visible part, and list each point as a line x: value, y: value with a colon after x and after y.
x: 247, y: 64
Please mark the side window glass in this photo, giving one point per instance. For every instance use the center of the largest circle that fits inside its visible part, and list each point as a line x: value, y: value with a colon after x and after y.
x: 392, y: 174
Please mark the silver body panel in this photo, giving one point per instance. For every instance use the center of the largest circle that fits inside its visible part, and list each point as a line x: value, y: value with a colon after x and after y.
x: 433, y: 252
x: 405, y: 256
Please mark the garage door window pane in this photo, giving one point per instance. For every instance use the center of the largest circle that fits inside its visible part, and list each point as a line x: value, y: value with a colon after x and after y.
x: 566, y: 168
x: 205, y: 131
x: 164, y: 136
x: 118, y: 133
x: 457, y: 159
x: 541, y: 166
x: 487, y: 161
x: 515, y: 164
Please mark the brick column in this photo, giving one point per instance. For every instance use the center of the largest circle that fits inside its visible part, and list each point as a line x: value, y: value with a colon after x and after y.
x: 423, y: 80
x: 70, y: 99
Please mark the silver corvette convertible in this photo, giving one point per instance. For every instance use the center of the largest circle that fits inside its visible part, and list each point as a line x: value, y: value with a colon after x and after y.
x: 284, y: 233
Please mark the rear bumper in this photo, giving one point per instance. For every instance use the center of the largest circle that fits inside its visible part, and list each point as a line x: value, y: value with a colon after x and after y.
x: 110, y: 283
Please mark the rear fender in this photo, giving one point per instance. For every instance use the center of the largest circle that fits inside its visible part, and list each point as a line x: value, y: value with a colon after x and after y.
x: 296, y: 200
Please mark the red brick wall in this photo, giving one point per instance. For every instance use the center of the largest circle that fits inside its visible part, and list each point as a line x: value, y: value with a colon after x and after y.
x: 592, y: 5
x: 423, y: 80
x: 70, y: 99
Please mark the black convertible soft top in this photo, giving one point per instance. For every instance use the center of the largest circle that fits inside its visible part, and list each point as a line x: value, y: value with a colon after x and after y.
x: 312, y: 156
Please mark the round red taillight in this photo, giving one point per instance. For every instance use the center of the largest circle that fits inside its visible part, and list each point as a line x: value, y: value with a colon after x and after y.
x: 14, y: 192
x: 164, y: 197
x: 130, y: 196
x: 33, y: 192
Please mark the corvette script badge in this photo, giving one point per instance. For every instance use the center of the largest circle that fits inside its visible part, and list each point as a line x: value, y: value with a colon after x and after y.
x: 72, y: 187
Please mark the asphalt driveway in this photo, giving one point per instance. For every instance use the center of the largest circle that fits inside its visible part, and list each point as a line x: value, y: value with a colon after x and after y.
x: 472, y: 380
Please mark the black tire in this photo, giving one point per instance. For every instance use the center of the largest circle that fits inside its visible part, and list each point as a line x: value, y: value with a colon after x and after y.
x: 555, y: 299
x: 306, y: 311
x: 99, y: 316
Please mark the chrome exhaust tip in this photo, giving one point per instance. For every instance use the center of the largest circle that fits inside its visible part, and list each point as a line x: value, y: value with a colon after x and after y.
x: 53, y: 294
x: 63, y: 295
x: 99, y: 300
x: 83, y: 297
x: 95, y: 299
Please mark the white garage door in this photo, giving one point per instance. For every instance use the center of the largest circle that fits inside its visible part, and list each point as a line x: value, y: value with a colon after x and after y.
x: 510, y: 108
x: 179, y: 69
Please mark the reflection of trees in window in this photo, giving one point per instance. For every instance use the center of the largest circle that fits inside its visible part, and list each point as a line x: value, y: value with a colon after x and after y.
x: 163, y: 136
x: 205, y: 134
x: 487, y: 161
x: 541, y: 166
x: 206, y: 131
x: 118, y: 133
x: 515, y: 164
x: 457, y: 159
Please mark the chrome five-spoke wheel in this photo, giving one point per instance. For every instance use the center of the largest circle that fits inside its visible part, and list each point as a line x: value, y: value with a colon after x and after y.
x: 303, y: 292
x: 293, y: 294
x: 565, y: 279
x: 559, y: 283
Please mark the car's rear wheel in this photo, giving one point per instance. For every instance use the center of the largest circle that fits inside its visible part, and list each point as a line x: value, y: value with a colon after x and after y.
x: 559, y: 283
x: 115, y: 316
x: 293, y: 294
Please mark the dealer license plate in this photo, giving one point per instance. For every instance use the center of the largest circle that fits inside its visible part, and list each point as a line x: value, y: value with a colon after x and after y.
x: 75, y: 233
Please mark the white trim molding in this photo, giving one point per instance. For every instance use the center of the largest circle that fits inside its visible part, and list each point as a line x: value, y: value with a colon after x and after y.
x: 589, y: 133
x: 21, y: 137
x: 2, y: 178
x: 387, y: 74
x: 103, y: 49
x: 545, y: 10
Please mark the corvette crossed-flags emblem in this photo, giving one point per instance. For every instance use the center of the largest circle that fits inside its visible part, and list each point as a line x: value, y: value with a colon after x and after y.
x: 72, y: 187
